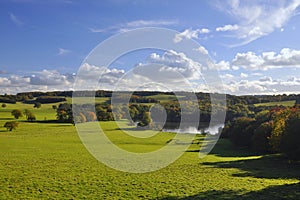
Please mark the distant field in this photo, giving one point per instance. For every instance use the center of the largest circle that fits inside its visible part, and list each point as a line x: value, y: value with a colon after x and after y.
x: 48, y: 161
x: 278, y: 103
x: 83, y: 100
x: 165, y: 98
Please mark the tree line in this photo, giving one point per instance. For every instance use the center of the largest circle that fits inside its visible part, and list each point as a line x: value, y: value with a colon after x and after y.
x: 275, y: 130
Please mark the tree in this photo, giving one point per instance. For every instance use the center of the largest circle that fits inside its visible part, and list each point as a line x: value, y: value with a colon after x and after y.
x: 11, y: 125
x: 16, y: 113
x: 290, y: 141
x: 242, y: 131
x: 37, y: 105
x: 54, y: 107
x: 260, y: 138
x: 31, y: 117
x: 64, y: 113
x: 3, y: 105
x: 280, y: 118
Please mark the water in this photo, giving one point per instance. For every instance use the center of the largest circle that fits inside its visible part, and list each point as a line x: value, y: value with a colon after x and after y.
x: 213, y: 130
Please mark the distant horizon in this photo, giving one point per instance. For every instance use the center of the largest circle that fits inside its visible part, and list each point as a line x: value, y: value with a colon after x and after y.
x: 282, y: 94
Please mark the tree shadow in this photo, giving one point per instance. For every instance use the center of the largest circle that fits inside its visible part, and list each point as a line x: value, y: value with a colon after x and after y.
x: 7, y: 118
x: 224, y: 148
x: 268, y: 166
x: 282, y: 192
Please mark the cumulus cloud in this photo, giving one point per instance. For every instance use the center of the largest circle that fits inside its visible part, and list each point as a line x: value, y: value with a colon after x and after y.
x: 258, y: 18
x: 190, y: 34
x: 49, y: 78
x: 222, y: 65
x: 202, y: 50
x: 171, y: 66
x: 267, y: 60
x: 243, y: 75
x: 264, y: 61
x: 228, y: 27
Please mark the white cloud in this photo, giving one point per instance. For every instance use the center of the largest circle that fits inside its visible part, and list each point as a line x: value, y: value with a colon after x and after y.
x: 15, y: 20
x: 267, y: 60
x: 202, y: 50
x: 141, y: 23
x: 190, y: 34
x: 49, y: 78
x: 243, y: 75
x: 223, y: 65
x: 62, y: 51
x: 227, y: 76
x: 228, y: 27
x: 133, y: 24
x: 259, y: 18
x: 168, y: 66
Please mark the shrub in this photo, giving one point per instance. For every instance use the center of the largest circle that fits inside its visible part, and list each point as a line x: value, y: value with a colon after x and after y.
x: 3, y: 105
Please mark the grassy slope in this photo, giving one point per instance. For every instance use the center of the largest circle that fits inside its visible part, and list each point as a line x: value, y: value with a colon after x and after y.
x: 279, y: 103
x: 49, y: 161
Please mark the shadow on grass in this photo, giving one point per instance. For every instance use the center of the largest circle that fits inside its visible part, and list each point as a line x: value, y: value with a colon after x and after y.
x: 268, y: 166
x: 282, y: 192
x: 224, y: 148
x: 7, y: 118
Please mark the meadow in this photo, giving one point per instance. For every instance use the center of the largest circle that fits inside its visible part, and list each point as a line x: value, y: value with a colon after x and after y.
x: 48, y: 161
x: 277, y: 103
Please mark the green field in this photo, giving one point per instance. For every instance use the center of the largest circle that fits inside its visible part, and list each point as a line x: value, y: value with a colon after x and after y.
x: 278, y: 103
x: 48, y: 161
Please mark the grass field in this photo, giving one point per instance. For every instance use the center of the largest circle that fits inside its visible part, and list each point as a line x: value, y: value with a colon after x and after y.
x: 48, y: 161
x: 278, y: 103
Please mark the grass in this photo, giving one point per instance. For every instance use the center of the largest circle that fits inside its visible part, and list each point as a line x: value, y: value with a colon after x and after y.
x: 278, y: 103
x: 48, y: 161
x: 83, y: 100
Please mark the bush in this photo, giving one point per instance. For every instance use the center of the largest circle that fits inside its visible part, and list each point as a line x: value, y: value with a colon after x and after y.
x: 3, y: 105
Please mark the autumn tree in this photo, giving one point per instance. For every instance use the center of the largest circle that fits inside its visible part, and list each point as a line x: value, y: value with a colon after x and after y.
x: 11, y: 125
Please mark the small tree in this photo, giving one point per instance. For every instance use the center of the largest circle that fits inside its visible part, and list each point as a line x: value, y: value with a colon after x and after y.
x: 17, y: 113
x: 54, y: 107
x: 11, y: 125
x: 37, y: 105
x: 31, y: 117
x: 3, y: 105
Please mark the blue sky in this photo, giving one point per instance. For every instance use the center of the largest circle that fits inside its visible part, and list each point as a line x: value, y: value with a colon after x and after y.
x: 254, y: 43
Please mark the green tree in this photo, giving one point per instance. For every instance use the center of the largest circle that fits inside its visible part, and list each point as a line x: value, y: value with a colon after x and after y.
x: 11, y: 125
x: 242, y: 131
x: 54, y: 107
x: 17, y: 113
x: 31, y: 117
x: 280, y: 117
x: 3, y: 105
x: 260, y: 138
x: 290, y: 141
